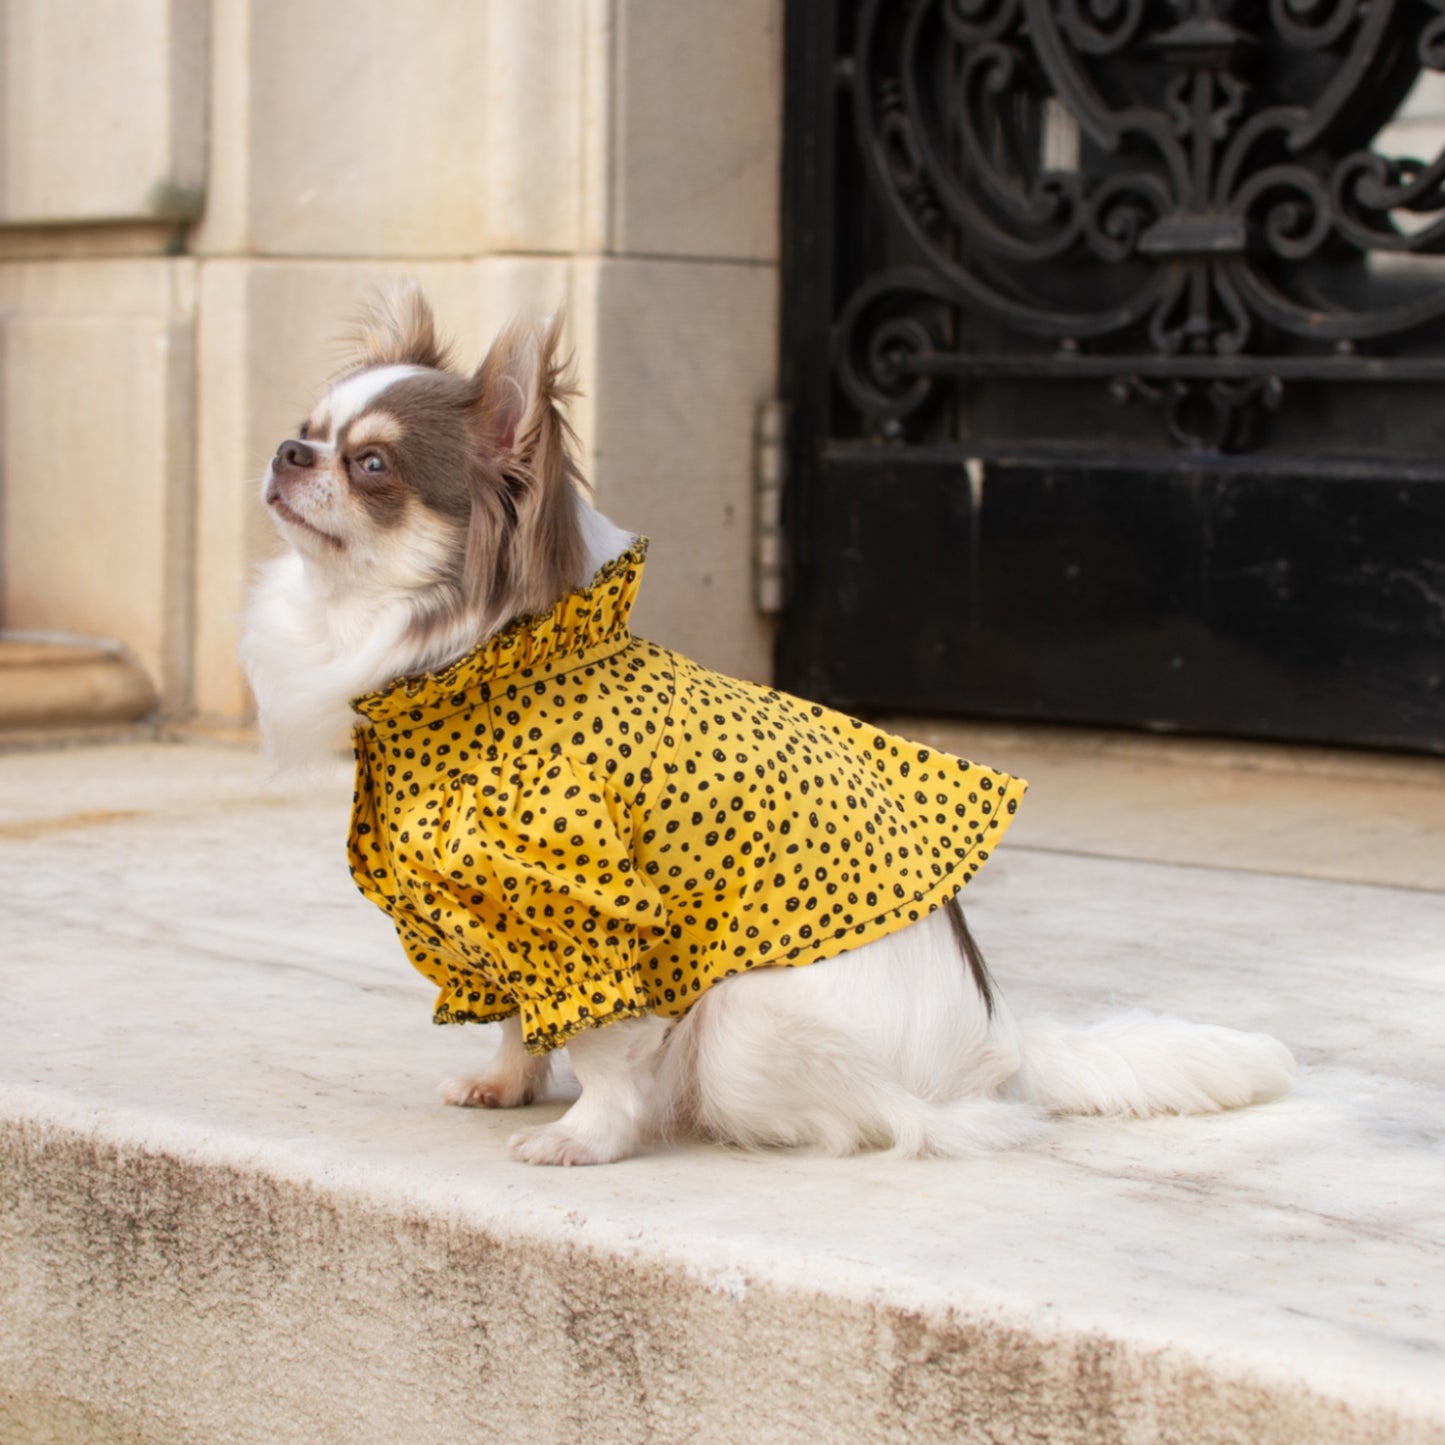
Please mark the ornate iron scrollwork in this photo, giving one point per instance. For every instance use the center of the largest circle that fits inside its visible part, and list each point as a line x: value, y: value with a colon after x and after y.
x: 1176, y: 200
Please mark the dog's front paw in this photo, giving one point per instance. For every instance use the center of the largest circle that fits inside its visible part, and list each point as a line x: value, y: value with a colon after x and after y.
x: 487, y: 1091
x: 557, y: 1144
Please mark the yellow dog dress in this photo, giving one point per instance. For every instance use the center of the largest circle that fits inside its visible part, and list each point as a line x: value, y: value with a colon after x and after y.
x: 573, y: 823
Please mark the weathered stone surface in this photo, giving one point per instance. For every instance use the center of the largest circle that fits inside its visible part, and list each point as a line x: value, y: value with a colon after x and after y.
x: 224, y: 1163
x: 697, y: 101
x: 102, y: 111
x: 439, y: 128
x: 683, y: 358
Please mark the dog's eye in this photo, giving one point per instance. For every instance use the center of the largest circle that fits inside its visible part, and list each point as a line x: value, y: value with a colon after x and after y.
x: 304, y: 430
x: 372, y: 463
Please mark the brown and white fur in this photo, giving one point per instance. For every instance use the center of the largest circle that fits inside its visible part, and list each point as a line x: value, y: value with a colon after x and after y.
x: 426, y: 508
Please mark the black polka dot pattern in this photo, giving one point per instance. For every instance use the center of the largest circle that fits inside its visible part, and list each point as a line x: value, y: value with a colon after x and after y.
x: 576, y: 824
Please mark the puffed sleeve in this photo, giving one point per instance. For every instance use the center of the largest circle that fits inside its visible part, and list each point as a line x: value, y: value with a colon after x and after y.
x: 536, y: 874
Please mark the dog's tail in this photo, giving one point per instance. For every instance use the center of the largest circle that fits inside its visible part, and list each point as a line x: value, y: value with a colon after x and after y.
x: 1140, y: 1064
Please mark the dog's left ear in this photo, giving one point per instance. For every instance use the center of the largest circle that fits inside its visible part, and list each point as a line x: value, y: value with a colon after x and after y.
x: 528, y: 538
x: 398, y: 329
x: 522, y: 386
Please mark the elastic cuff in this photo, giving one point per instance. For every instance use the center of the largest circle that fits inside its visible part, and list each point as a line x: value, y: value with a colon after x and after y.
x: 547, y: 1023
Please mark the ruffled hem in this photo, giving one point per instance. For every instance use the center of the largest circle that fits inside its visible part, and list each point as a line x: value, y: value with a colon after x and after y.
x: 582, y: 621
x: 547, y: 1023
x: 445, y: 1014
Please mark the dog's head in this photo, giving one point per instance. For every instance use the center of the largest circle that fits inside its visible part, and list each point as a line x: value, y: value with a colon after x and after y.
x: 410, y: 478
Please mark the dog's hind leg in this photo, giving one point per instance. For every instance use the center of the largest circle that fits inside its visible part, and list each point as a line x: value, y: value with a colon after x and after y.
x: 515, y: 1077
x: 901, y: 1044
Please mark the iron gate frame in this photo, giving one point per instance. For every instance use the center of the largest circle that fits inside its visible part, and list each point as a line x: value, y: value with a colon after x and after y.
x: 888, y: 482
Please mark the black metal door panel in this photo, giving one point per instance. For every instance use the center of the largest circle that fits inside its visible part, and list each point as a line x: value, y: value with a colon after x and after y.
x: 1114, y: 355
x: 1127, y: 596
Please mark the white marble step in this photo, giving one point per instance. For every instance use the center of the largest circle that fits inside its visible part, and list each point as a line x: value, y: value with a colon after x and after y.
x: 232, y: 1209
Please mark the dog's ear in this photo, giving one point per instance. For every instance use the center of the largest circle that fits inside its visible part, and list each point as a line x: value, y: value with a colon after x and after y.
x: 521, y: 388
x: 398, y: 329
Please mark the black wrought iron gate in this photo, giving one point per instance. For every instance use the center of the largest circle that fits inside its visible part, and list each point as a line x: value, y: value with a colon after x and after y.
x: 1114, y: 345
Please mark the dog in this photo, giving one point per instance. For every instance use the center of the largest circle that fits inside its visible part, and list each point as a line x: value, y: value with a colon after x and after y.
x: 737, y: 911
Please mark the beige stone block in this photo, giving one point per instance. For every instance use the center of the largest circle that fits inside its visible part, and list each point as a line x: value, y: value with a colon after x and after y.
x: 599, y: 51
x: 680, y: 356
x: 435, y: 128
x: 534, y: 102
x: 102, y: 109
x: 512, y: 288
x: 96, y: 366
x: 270, y: 335
x: 72, y: 290
x: 366, y: 132
x: 697, y: 118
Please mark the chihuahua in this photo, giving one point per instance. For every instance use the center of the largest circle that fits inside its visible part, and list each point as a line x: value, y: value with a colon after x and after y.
x: 736, y: 910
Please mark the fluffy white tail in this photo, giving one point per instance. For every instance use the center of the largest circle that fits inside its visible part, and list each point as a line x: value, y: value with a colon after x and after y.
x: 1140, y: 1063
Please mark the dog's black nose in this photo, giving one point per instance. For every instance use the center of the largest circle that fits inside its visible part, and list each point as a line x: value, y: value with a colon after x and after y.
x: 295, y: 454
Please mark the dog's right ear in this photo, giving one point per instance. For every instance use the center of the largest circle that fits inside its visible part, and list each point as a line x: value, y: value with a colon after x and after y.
x: 398, y: 329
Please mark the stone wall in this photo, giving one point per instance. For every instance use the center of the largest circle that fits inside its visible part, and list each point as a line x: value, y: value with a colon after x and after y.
x: 196, y: 196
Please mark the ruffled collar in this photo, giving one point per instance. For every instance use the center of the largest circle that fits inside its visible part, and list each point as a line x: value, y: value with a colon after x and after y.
x: 584, y: 626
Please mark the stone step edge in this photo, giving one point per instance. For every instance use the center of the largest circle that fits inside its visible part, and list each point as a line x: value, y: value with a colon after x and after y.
x: 157, y: 1239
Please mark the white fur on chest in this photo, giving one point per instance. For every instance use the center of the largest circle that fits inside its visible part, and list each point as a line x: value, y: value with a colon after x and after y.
x: 308, y: 655
x: 309, y: 652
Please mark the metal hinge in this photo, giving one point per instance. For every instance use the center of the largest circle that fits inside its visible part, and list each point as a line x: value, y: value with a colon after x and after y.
x: 770, y: 471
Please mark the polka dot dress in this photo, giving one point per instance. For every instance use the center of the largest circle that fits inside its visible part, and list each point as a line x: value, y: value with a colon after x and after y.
x: 576, y: 824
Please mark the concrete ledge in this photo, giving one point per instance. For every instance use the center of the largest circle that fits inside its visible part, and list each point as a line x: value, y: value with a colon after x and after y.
x: 70, y: 683
x: 176, y: 1279
x: 233, y: 1210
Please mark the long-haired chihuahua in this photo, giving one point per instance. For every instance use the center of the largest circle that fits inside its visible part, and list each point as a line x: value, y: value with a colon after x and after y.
x: 738, y: 911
